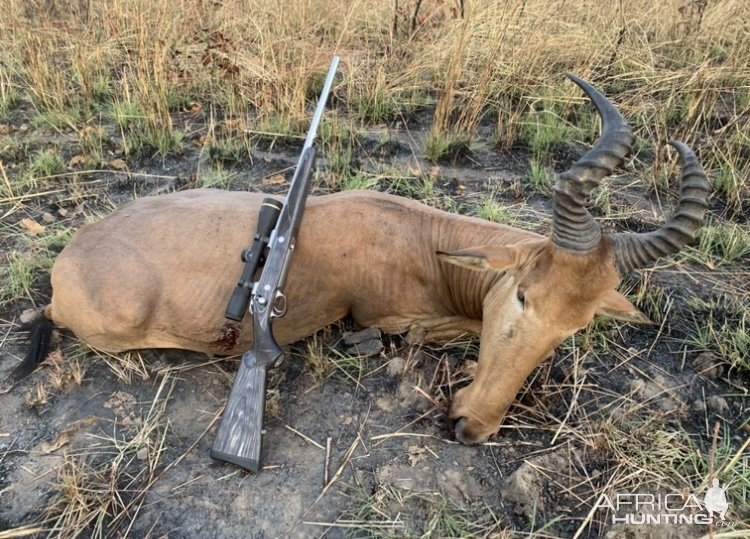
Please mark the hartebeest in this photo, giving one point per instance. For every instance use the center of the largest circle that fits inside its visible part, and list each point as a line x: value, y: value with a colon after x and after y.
x: 158, y: 272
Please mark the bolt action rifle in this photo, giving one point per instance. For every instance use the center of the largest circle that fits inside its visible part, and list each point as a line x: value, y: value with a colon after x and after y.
x: 240, y: 435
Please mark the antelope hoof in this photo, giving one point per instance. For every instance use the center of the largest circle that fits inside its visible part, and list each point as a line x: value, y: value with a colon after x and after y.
x: 464, y: 433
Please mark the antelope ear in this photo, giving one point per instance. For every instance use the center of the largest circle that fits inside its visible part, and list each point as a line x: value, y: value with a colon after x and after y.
x: 615, y: 305
x: 482, y: 258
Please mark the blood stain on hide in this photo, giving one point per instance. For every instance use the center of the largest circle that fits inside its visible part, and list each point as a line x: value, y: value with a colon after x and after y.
x: 230, y: 334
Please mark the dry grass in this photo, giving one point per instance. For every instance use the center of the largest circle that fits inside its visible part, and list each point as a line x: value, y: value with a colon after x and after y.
x: 680, y: 68
x: 102, y: 487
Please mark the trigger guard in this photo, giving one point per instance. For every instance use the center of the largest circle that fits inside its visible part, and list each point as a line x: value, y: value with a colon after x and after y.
x: 279, y: 306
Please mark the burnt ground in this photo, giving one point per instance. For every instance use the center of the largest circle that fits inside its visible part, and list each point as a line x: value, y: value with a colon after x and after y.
x: 118, y: 446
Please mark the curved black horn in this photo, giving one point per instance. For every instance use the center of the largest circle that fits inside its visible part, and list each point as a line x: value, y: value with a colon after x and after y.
x: 640, y: 250
x: 573, y: 227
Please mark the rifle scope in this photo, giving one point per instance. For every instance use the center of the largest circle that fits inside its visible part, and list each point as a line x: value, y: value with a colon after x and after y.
x: 253, y: 257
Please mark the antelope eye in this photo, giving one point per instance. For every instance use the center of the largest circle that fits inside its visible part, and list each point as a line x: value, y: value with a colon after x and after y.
x: 521, y: 296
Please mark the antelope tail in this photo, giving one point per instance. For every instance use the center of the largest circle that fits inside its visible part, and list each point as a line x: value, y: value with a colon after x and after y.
x: 40, y: 334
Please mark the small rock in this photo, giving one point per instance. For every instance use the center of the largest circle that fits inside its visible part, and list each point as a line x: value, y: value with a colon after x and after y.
x: 362, y: 336
x: 396, y: 366
x: 366, y: 349
x: 48, y: 218
x: 523, y: 490
x: 708, y: 365
x: 526, y: 486
x: 699, y: 406
x: 142, y: 453
x: 29, y: 315
x: 717, y: 404
x: 62, y: 212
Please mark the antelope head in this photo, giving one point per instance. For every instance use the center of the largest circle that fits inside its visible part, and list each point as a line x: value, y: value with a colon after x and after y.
x: 546, y: 290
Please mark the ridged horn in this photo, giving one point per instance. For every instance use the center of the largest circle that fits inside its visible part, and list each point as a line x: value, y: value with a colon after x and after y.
x: 640, y: 250
x: 573, y: 227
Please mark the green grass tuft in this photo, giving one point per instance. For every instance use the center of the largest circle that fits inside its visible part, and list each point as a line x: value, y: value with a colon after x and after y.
x: 721, y: 326
x: 46, y: 162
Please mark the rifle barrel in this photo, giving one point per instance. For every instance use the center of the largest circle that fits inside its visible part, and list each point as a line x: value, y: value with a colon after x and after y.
x: 321, y: 104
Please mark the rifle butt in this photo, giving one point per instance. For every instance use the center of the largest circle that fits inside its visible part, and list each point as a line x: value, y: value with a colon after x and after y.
x: 239, y: 439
